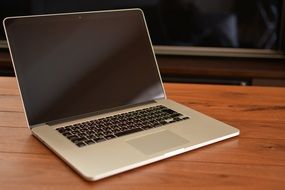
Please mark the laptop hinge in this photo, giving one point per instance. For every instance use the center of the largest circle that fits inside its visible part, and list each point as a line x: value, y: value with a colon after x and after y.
x: 55, y: 122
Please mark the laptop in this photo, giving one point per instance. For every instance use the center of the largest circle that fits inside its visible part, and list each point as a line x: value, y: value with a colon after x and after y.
x: 92, y: 92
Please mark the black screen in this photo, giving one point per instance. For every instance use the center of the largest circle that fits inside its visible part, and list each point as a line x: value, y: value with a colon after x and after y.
x: 68, y: 65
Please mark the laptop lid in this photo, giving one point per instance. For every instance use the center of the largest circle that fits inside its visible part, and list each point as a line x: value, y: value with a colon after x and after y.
x: 73, y: 64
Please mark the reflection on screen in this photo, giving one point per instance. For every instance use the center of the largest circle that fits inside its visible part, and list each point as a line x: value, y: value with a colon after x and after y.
x: 71, y: 65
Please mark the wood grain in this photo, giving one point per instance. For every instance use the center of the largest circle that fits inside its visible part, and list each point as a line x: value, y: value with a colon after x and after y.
x: 254, y: 160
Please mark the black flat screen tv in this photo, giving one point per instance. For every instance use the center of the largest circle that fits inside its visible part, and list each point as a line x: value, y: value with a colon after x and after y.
x: 233, y: 28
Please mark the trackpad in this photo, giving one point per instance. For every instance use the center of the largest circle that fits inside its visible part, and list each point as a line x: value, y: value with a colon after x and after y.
x: 154, y: 143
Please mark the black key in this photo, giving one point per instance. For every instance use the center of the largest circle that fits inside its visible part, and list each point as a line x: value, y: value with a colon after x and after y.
x: 67, y: 134
x: 90, y: 136
x: 78, y: 139
x: 177, y: 119
x: 156, y: 124
x: 99, y: 139
x: 108, y: 133
x: 109, y: 137
x: 124, y: 128
x: 60, y: 130
x: 169, y: 111
x: 68, y: 129
x: 80, y: 135
x: 89, y: 142
x: 176, y: 115
x: 85, y: 123
x: 116, y: 130
x: 128, y: 132
x: 72, y: 137
x: 80, y: 144
x: 133, y: 126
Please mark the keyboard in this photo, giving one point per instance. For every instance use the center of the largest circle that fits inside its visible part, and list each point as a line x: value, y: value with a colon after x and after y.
x: 99, y: 130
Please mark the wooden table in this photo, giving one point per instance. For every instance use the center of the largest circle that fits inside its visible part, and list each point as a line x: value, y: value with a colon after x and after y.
x: 254, y: 160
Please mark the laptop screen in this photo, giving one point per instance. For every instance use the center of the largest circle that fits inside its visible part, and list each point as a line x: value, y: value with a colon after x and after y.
x: 74, y: 64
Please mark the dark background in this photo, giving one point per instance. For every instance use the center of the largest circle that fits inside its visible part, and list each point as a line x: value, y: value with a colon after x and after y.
x: 206, y: 23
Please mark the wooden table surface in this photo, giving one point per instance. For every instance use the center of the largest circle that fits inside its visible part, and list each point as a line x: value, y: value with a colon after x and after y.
x: 253, y: 160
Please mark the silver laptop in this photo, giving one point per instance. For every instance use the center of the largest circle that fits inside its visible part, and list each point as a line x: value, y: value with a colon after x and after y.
x: 92, y: 92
